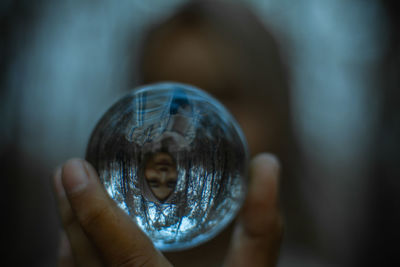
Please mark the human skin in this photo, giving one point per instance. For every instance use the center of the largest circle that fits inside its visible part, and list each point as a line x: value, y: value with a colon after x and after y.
x: 257, y: 232
x: 102, y: 234
x: 198, y: 55
x: 161, y: 175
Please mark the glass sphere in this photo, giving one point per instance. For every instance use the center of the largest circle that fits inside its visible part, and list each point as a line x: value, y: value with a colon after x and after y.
x: 175, y: 160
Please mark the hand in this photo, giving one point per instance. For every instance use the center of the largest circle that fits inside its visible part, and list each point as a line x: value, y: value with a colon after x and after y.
x: 100, y: 233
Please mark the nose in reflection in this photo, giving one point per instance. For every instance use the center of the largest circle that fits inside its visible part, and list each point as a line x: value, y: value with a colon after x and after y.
x: 161, y: 175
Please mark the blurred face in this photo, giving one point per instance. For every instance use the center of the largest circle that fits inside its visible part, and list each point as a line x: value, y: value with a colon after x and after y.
x: 190, y: 57
x: 161, y: 175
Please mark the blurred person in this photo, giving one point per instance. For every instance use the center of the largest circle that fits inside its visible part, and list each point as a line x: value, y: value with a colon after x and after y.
x: 224, y: 49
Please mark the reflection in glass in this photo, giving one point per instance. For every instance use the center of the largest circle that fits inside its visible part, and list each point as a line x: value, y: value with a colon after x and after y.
x: 161, y: 175
x: 175, y: 160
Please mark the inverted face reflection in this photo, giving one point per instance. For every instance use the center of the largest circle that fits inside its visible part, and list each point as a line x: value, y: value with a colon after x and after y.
x: 161, y: 175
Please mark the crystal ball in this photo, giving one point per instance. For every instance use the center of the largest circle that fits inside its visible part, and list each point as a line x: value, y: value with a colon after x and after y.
x: 175, y: 160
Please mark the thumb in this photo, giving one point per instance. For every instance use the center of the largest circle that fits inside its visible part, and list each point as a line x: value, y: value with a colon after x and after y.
x: 117, y: 238
x: 257, y: 236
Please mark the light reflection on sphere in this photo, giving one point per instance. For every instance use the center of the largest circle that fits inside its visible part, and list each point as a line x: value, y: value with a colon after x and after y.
x: 175, y: 160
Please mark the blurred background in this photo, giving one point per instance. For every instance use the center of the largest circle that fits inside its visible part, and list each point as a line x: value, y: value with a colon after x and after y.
x: 316, y: 82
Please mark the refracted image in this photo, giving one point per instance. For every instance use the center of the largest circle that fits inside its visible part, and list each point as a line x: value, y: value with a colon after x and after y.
x: 175, y: 160
x: 161, y: 175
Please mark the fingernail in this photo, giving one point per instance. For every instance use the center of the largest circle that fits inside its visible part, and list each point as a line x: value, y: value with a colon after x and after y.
x: 75, y: 177
x: 267, y: 161
x: 58, y: 183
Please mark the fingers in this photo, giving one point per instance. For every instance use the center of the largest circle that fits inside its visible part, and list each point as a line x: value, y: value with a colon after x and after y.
x: 65, y: 258
x: 261, y: 211
x: 115, y: 236
x: 76, y: 241
x: 257, y: 236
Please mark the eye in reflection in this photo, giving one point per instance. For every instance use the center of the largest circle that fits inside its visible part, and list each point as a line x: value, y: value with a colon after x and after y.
x: 161, y: 175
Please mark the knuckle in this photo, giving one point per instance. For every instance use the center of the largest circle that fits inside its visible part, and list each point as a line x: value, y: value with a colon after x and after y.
x: 132, y: 260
